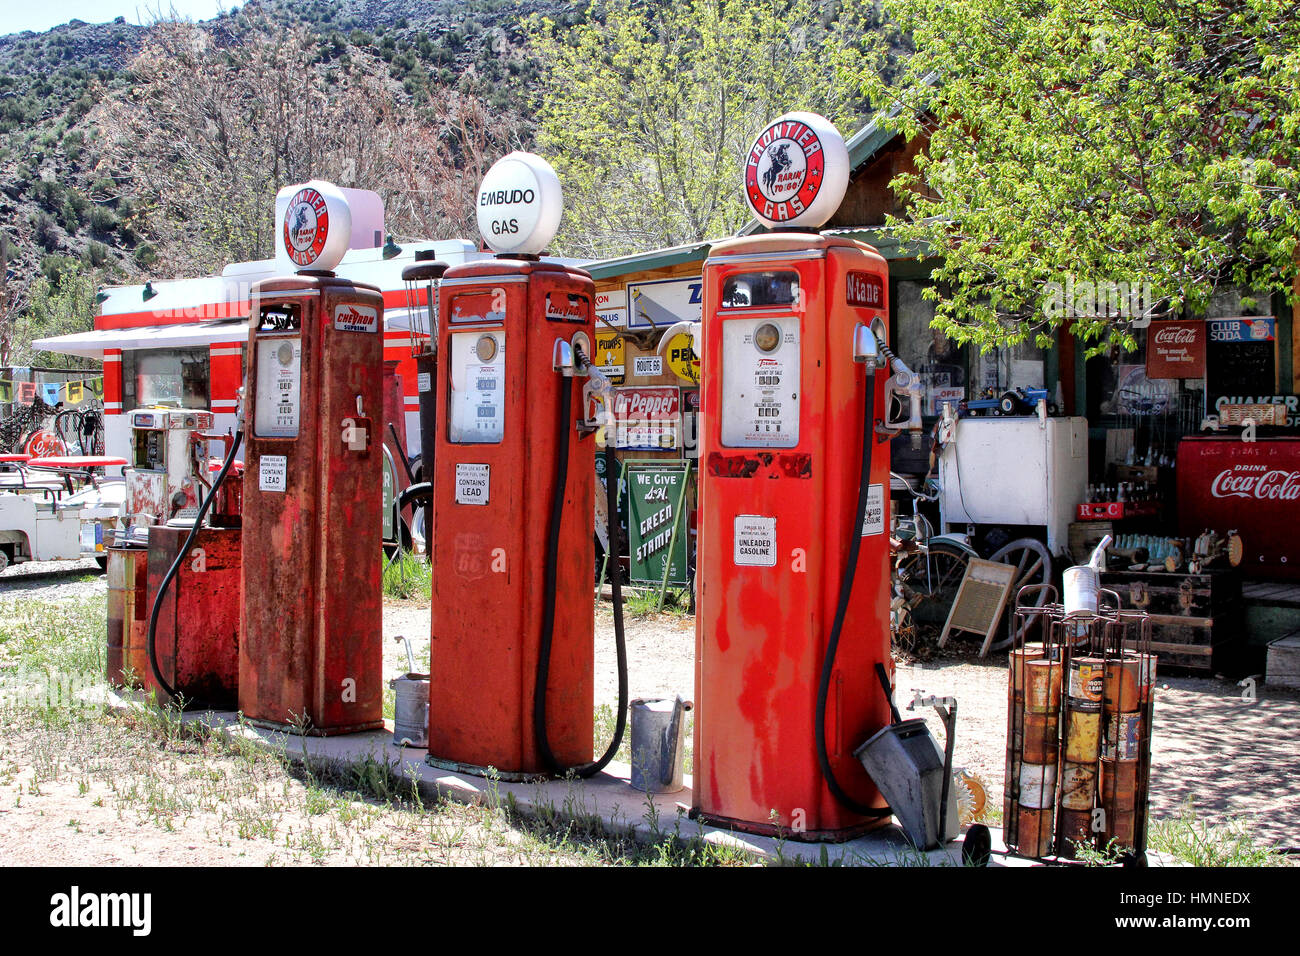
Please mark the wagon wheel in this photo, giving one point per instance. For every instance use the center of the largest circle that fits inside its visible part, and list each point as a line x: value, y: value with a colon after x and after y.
x: 1033, y: 564
x: 931, y: 578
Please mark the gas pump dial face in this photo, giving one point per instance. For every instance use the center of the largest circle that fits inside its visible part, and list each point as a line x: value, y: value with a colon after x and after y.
x: 767, y: 337
x: 277, y: 404
x: 760, y: 382
x: 477, y: 394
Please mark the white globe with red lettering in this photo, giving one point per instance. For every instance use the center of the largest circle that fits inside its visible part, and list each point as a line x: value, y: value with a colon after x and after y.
x: 313, y: 225
x: 796, y: 171
x: 519, y: 204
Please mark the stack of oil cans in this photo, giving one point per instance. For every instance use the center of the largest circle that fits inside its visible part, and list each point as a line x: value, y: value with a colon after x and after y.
x: 1080, y: 690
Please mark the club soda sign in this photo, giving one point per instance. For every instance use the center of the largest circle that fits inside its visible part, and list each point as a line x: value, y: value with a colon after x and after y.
x: 1256, y: 481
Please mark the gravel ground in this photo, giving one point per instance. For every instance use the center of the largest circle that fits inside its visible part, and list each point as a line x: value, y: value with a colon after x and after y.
x: 1235, y: 759
x: 53, y: 580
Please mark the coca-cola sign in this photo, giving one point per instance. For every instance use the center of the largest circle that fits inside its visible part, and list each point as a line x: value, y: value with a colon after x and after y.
x: 1256, y: 481
x: 1176, y: 350
x: 1252, y: 488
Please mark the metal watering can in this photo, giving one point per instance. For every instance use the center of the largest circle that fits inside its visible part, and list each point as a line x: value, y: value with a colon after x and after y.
x: 411, y: 706
x: 658, y: 736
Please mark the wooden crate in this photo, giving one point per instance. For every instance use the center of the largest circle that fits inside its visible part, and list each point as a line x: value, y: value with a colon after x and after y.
x: 1084, y: 535
x: 1196, y: 619
x: 1283, y: 667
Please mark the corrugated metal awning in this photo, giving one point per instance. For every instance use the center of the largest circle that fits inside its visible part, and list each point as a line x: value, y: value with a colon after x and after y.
x: 93, y: 344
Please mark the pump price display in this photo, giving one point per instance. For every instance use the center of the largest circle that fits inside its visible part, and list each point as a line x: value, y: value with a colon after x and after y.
x: 477, y: 388
x: 760, y: 382
x: 278, y: 404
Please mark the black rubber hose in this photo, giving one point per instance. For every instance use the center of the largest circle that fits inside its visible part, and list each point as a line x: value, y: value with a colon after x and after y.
x: 841, y: 610
x: 180, y: 556
x: 541, y: 737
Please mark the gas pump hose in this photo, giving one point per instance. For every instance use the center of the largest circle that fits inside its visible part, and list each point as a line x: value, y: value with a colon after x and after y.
x: 548, y: 608
x: 841, y: 611
x: 152, y: 646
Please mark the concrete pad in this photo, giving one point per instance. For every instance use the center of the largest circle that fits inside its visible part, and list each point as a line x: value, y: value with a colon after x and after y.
x: 608, y: 797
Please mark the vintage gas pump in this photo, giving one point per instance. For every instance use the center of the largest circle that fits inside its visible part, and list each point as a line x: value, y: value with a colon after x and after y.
x: 421, y: 280
x: 514, y: 472
x: 792, y: 635
x: 310, y: 648
x: 166, y: 477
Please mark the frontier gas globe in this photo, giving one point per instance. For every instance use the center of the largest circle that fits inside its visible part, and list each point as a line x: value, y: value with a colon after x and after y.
x: 796, y: 171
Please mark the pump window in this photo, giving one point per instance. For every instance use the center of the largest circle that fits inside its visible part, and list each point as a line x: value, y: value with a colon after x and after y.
x: 479, y: 307
x: 476, y: 415
x: 759, y: 290
x: 178, y: 377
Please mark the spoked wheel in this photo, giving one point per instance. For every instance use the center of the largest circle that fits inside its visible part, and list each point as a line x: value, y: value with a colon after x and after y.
x: 931, y: 579
x: 1033, y: 564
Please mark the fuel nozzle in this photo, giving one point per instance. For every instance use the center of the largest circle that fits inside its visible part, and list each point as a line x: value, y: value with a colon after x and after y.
x: 598, y: 385
x: 902, y: 388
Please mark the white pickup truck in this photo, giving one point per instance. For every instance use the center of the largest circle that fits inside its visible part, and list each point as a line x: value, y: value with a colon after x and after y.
x: 57, y: 509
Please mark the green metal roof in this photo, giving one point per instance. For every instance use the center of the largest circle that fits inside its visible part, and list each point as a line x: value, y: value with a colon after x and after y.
x: 645, y: 261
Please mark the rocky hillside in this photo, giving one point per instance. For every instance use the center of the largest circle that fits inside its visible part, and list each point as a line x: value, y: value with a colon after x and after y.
x: 59, y: 208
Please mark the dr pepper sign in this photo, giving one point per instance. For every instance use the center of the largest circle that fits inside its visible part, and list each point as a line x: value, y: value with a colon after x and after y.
x: 796, y: 171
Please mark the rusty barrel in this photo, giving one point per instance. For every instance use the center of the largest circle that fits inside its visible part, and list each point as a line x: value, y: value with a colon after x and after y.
x: 1083, y: 710
x: 1078, y: 785
x: 128, y: 616
x: 1042, y: 686
x: 1122, y: 737
x: 1086, y: 679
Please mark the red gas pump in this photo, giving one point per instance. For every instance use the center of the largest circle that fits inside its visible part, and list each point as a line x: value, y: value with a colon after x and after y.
x: 792, y: 631
x: 312, y: 499
x: 513, y: 470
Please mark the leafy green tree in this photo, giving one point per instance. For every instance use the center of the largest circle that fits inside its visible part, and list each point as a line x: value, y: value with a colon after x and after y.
x: 1149, y: 142
x: 55, y: 306
x: 647, y: 108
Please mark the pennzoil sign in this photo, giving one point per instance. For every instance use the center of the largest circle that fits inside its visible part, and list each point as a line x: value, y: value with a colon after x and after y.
x: 306, y: 226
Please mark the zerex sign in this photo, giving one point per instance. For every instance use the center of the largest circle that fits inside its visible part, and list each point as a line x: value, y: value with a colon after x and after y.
x: 647, y: 418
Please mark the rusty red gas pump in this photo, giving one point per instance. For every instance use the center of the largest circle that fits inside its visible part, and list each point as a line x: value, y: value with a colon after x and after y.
x: 792, y: 636
x: 512, y: 555
x: 310, y: 651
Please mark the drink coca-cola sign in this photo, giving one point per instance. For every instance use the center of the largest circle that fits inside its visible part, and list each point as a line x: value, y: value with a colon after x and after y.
x: 1176, y: 349
x: 1256, y: 481
x: 1252, y: 488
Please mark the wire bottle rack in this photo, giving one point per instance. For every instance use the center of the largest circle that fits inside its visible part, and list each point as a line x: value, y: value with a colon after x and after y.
x: 1080, y: 700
